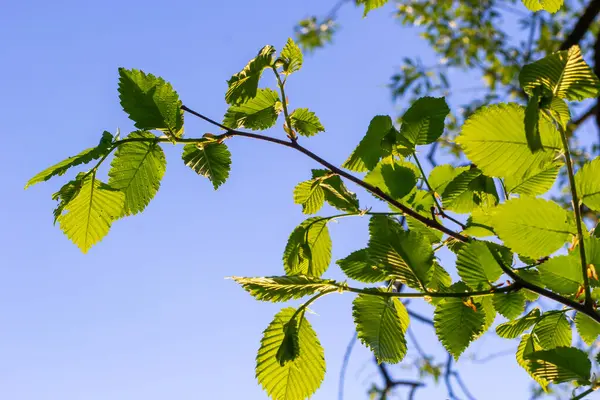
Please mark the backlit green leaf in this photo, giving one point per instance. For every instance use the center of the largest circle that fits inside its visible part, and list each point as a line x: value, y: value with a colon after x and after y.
x: 494, y: 139
x: 512, y: 329
x: 532, y: 119
x: 381, y: 324
x: 258, y: 113
x: 360, y: 267
x: 336, y: 193
x: 87, y: 217
x: 136, y: 170
x: 553, y: 330
x: 537, y: 181
x: 305, y: 122
x: 210, y: 159
x: 528, y: 345
x: 299, y: 378
x: 588, y: 329
x: 587, y: 181
x: 457, y: 325
x: 469, y: 190
x: 150, y: 101
x: 476, y: 265
x: 532, y: 227
x: 84, y: 157
x: 308, y: 250
x: 392, y: 178
x: 562, y: 274
x: 243, y: 86
x: 551, y: 6
x: 423, y: 122
x: 368, y: 152
x: 442, y: 175
x: 371, y: 5
x: 562, y: 364
x: 311, y: 195
x: 291, y: 57
x: 284, y: 288
x: 510, y: 305
x: 563, y: 74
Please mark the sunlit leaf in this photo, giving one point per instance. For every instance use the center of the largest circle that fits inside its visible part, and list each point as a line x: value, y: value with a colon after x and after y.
x: 308, y: 250
x: 244, y: 85
x: 512, y: 329
x: 588, y: 329
x: 210, y: 159
x: 284, y: 288
x: 561, y: 364
x: 291, y: 57
x: 368, y: 152
x: 257, y: 113
x: 457, y: 325
x: 588, y: 184
x: 305, y: 122
x: 423, y: 122
x: 553, y: 330
x: 360, y: 267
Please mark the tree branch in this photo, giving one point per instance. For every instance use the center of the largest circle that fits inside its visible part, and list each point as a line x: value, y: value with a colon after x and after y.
x: 582, y: 25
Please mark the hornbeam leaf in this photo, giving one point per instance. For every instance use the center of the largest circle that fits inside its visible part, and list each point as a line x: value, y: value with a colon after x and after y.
x: 210, y: 159
x: 284, y: 288
x: 588, y: 184
x: 561, y: 364
x: 308, y: 250
x: 243, y: 86
x: 258, y: 113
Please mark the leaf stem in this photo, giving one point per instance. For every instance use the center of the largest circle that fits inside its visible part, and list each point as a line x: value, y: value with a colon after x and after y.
x: 584, y: 394
x: 311, y: 300
x: 288, y: 120
x: 577, y: 209
x: 432, y: 192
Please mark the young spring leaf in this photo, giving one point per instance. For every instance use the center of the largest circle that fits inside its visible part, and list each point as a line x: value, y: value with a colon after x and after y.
x: 512, y: 329
x: 553, y: 330
x: 359, y: 266
x: 562, y: 364
x: 457, y: 325
x: 289, y: 350
x: 290, y: 58
x: 392, y: 178
x: 90, y: 212
x: 588, y: 329
x: 405, y: 255
x: 381, y: 323
x: 423, y: 122
x: 562, y: 274
x: 136, y: 170
x: 510, y: 305
x: 311, y: 195
x: 284, y: 288
x: 479, y: 223
x: 442, y: 175
x: 531, y: 226
x: 299, y: 378
x: 305, y: 122
x: 368, y: 152
x: 308, y: 250
x: 528, y: 345
x: 494, y: 139
x: 84, y: 157
x: 476, y: 265
x: 336, y: 193
x: 559, y: 110
x: 243, y: 86
x: 563, y: 74
x: 258, y: 113
x: 551, y: 6
x: 440, y: 278
x: 210, y: 159
x: 588, y: 184
x: 537, y: 181
x: 371, y: 5
x: 150, y: 101
x: 469, y: 190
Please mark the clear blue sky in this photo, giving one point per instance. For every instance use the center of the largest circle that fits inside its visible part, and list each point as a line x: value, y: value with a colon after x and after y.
x: 147, y: 313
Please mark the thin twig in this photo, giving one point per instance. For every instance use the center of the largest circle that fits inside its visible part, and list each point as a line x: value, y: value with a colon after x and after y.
x: 345, y: 366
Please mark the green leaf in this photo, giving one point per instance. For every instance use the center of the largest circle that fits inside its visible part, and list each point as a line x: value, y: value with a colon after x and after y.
x: 311, y: 195
x: 284, y: 288
x: 421, y: 201
x: 305, y: 122
x: 368, y: 152
x: 289, y: 350
x: 531, y: 276
x: 405, y: 255
x: 563, y: 74
x: 423, y: 122
x: 336, y: 193
x: 150, y: 101
x: 360, y: 267
x: 592, y: 256
x: 308, y: 250
x: 291, y: 57
x: 442, y: 175
x: 562, y: 364
x: 457, y: 325
x: 510, y: 305
x: 537, y: 181
x: 210, y: 159
x: 479, y: 223
x: 469, y: 190
x: 90, y: 212
x: 392, y: 178
x: 136, y: 170
x: 559, y: 110
x: 66, y: 193
x: 532, y: 227
x: 371, y: 5
x: 440, y: 278
x: 528, y: 345
x: 476, y: 265
x: 588, y: 329
x: 512, y: 329
x: 553, y: 330
x: 494, y: 139
x: 588, y: 184
x: 532, y: 119
x: 258, y: 113
x: 84, y: 157
x: 551, y: 6
x: 381, y: 323
x: 562, y: 274
x: 299, y: 378
x: 243, y: 86
x: 487, y: 306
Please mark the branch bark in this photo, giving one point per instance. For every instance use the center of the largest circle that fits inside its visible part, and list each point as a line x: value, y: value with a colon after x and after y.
x: 582, y: 25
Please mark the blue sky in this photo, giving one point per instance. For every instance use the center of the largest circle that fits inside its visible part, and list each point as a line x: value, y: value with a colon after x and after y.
x: 147, y: 313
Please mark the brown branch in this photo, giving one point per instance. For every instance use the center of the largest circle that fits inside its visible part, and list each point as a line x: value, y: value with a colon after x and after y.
x: 583, y: 25
x: 390, y: 383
